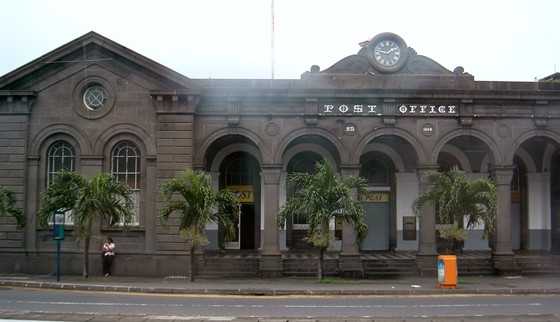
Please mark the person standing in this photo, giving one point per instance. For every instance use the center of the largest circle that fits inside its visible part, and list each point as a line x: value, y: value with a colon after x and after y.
x: 108, y: 253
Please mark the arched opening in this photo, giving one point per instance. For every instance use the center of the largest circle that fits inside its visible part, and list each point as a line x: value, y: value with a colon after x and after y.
x: 234, y: 162
x: 240, y: 173
x: 535, y: 205
x: 388, y: 163
x: 303, y: 162
x: 471, y: 155
x: 379, y: 201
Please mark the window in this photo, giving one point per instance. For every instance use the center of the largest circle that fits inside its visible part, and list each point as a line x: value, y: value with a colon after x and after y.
x: 95, y: 97
x: 125, y: 167
x: 60, y: 157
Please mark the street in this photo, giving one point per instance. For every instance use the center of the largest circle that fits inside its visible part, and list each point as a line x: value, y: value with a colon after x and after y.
x: 181, y: 307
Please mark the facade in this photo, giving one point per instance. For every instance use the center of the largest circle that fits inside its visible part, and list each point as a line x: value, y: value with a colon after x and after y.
x: 386, y: 113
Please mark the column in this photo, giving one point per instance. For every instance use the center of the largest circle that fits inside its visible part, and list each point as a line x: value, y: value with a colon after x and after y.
x: 150, y: 213
x: 503, y: 254
x: 427, y: 250
x: 270, y: 264
x: 31, y: 210
x: 350, y: 264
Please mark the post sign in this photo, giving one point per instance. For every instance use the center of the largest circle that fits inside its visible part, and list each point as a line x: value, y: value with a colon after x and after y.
x: 244, y: 193
x: 58, y: 225
x: 375, y: 196
x: 378, y: 110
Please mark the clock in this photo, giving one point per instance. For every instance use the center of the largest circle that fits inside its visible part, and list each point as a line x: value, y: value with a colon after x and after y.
x: 387, y: 52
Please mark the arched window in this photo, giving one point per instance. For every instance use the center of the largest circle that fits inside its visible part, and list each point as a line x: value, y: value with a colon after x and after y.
x: 60, y: 157
x: 125, y: 167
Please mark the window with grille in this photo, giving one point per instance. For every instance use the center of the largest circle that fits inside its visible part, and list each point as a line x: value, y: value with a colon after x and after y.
x: 125, y: 167
x: 60, y: 157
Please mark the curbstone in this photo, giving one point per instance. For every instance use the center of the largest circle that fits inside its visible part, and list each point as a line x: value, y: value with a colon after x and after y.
x: 274, y: 292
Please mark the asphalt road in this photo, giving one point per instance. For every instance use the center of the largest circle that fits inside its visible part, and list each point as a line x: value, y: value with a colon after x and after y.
x: 229, y: 307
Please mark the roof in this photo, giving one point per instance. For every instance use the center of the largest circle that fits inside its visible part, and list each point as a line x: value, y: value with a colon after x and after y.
x: 95, y: 38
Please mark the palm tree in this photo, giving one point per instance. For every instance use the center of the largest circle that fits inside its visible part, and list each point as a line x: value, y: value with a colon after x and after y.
x: 191, y: 196
x: 101, y: 198
x: 457, y: 198
x: 320, y: 198
x: 8, y: 206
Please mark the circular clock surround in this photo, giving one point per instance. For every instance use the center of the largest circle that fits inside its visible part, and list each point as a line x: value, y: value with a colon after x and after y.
x: 387, y: 52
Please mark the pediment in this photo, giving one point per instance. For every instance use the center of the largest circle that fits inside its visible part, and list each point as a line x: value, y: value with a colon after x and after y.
x: 89, y: 50
x: 407, y: 62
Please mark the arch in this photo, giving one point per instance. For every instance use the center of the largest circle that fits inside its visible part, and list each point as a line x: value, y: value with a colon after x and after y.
x: 411, y: 139
x: 527, y: 159
x: 490, y: 143
x: 232, y: 148
x: 139, y: 136
x: 459, y: 155
x: 83, y: 144
x: 388, y: 151
x: 200, y: 156
x: 307, y: 147
x: 527, y: 135
x: 341, y: 150
x: 547, y: 157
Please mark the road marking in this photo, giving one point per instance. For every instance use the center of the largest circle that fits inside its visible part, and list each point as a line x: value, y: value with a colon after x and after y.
x: 400, y: 306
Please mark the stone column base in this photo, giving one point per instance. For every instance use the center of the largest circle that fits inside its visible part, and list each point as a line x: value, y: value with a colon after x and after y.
x: 426, y: 264
x: 351, y: 266
x: 504, y: 264
x: 270, y: 266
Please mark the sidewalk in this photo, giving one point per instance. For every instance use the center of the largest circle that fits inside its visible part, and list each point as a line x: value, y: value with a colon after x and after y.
x: 292, y: 286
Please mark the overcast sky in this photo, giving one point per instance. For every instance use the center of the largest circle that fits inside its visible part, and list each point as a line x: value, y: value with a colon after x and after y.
x: 493, y: 40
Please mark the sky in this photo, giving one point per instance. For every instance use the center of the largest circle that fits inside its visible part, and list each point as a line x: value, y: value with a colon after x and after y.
x: 492, y: 39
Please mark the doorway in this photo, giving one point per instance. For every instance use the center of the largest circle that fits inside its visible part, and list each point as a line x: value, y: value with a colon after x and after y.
x: 239, y: 173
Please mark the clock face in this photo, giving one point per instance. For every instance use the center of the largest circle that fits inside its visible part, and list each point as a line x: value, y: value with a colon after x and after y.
x: 387, y: 53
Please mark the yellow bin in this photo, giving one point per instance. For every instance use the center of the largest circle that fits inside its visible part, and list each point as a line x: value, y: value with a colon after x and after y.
x: 447, y: 271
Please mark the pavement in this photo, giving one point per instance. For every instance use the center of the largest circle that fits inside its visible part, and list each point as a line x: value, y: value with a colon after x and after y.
x: 409, y: 285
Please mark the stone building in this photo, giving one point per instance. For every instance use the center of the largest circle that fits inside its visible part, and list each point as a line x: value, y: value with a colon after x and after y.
x: 386, y: 113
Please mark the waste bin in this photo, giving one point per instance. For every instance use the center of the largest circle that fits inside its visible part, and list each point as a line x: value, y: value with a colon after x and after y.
x: 447, y: 271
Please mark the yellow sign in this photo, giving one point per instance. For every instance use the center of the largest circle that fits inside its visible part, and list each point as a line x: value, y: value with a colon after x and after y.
x: 375, y: 196
x: 243, y: 193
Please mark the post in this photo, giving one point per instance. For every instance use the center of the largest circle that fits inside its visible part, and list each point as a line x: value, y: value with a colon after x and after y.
x: 58, y: 260
x: 58, y: 235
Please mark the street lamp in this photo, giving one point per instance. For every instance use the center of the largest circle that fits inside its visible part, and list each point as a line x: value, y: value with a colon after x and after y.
x: 58, y: 235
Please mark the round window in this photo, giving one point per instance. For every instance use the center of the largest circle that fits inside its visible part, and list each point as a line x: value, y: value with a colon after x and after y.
x: 95, y: 97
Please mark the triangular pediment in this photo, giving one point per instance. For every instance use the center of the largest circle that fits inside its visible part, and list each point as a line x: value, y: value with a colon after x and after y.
x: 89, y: 49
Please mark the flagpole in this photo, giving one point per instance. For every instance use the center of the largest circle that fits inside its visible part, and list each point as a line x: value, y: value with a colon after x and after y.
x: 272, y: 40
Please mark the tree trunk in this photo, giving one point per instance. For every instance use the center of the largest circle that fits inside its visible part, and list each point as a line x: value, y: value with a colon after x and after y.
x: 320, y: 264
x: 86, y: 249
x: 86, y: 257
x: 193, y: 264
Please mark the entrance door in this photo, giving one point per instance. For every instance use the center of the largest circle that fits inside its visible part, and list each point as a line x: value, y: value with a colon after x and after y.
x: 245, y: 221
x: 377, y: 217
x: 555, y: 228
x: 247, y: 226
